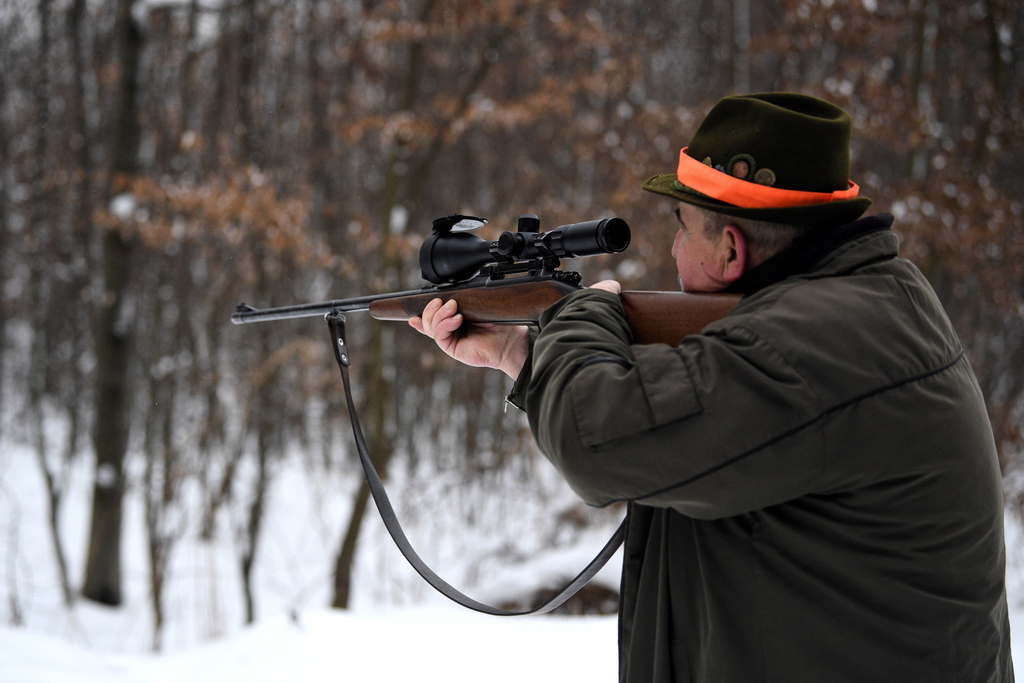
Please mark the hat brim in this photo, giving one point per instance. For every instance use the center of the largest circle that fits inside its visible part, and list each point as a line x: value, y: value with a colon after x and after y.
x: 830, y: 213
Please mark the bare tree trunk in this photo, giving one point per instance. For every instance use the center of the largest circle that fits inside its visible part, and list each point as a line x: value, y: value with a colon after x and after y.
x: 213, y: 121
x: 999, y: 57
x: 163, y: 472
x: 39, y: 375
x: 5, y: 166
x: 921, y: 88
x: 103, y: 562
x: 14, y: 609
x: 55, y: 490
x: 187, y: 90
x: 379, y: 387
x: 254, y: 521
x: 246, y: 95
x: 741, y: 46
x: 380, y: 453
x: 162, y: 483
x: 113, y: 336
x: 157, y: 548
x: 323, y: 201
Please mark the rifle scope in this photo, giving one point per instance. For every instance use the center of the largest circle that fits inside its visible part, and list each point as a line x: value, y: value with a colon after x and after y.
x: 449, y: 256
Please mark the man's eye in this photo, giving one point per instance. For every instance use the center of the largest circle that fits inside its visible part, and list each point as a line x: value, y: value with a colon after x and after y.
x: 679, y: 218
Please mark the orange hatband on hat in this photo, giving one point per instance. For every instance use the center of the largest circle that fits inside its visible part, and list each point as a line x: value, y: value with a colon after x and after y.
x: 718, y: 185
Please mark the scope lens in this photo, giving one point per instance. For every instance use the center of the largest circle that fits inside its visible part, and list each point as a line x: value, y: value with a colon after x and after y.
x: 604, y: 236
x: 613, y: 235
x: 453, y: 257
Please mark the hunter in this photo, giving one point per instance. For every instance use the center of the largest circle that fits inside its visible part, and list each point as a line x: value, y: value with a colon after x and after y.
x: 812, y: 486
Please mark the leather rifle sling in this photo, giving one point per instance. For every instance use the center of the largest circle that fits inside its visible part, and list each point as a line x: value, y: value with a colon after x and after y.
x: 336, y: 324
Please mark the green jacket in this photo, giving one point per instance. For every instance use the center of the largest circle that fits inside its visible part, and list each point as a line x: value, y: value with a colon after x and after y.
x: 813, y: 487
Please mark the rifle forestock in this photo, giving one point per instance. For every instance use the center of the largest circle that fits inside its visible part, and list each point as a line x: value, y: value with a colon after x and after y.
x: 654, y: 317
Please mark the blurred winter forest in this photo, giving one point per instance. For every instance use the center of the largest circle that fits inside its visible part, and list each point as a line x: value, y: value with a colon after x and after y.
x: 162, y: 160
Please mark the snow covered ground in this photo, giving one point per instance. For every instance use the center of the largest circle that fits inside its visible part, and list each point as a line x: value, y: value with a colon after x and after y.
x: 398, y: 629
x: 415, y: 644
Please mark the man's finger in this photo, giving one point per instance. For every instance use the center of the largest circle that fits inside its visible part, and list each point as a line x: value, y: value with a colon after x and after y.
x: 446, y: 327
x: 428, y: 316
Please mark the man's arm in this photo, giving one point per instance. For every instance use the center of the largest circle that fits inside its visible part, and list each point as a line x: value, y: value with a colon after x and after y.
x: 696, y: 427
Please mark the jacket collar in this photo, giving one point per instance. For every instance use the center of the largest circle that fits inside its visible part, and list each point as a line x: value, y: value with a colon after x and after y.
x: 800, y: 258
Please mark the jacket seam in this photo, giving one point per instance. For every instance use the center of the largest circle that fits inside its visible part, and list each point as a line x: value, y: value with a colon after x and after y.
x: 799, y: 428
x: 596, y: 360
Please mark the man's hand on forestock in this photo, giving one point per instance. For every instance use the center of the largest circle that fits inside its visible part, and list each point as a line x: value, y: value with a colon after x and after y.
x: 504, y: 347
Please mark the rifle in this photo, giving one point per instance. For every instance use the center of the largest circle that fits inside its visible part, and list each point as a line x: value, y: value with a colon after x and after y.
x: 510, y: 280
x: 514, y: 278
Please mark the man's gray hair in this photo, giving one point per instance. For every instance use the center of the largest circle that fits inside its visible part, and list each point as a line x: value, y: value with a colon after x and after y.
x: 764, y: 239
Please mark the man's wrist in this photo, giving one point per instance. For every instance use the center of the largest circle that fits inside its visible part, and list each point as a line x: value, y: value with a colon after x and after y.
x: 516, y: 354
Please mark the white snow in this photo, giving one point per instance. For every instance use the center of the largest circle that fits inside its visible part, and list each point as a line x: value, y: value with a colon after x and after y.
x: 398, y: 630
x: 416, y: 644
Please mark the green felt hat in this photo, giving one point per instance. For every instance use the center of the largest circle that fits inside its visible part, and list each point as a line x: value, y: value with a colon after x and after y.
x: 779, y: 157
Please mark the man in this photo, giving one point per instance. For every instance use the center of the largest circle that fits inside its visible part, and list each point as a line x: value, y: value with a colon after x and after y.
x: 812, y: 485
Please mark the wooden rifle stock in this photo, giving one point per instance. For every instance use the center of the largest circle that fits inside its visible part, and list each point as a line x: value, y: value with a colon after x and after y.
x: 667, y: 317
x: 654, y: 317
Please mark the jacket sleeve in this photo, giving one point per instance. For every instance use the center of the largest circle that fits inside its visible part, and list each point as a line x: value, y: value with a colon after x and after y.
x: 717, y: 426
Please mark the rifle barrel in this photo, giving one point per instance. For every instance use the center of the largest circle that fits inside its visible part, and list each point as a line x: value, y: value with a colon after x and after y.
x: 247, y: 314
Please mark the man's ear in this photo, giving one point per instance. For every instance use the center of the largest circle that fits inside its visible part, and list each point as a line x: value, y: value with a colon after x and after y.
x: 735, y: 255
